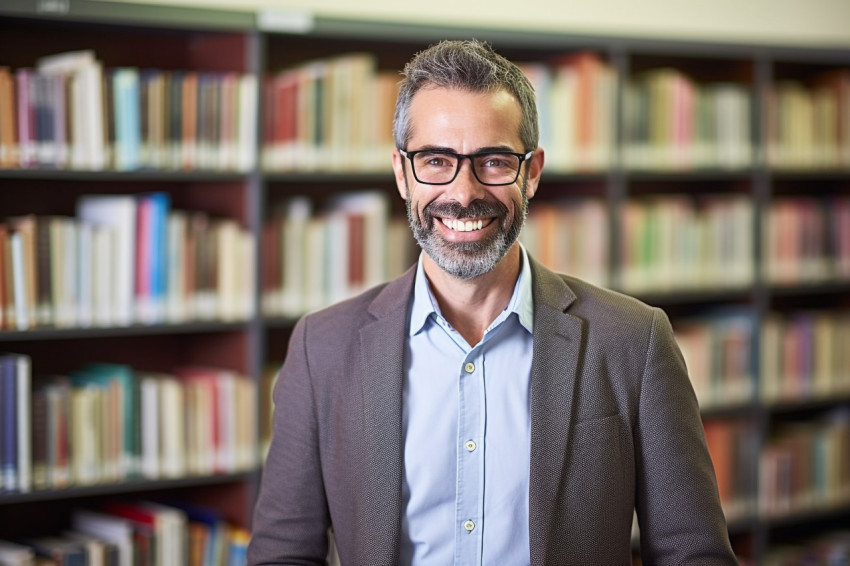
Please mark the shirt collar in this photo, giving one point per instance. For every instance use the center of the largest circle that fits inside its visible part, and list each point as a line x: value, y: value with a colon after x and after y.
x: 425, y: 304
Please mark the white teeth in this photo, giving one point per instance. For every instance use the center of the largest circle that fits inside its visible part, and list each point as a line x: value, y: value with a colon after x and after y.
x: 463, y: 226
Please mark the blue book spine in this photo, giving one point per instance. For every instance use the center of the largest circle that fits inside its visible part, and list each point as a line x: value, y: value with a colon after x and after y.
x: 9, y: 394
x: 159, y: 243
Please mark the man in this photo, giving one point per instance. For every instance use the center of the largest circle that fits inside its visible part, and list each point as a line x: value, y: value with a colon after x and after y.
x: 481, y: 409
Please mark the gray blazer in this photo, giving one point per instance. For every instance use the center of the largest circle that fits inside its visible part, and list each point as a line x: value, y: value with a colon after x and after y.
x: 614, y: 427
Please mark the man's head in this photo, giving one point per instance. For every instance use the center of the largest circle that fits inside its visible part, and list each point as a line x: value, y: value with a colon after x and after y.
x: 465, y: 65
x: 467, y: 160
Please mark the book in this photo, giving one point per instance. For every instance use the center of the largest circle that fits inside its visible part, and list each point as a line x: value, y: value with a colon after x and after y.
x: 15, y: 423
x: 126, y: 99
x: 8, y: 123
x: 118, y: 213
x: 14, y: 554
x: 8, y: 424
x: 25, y: 118
x: 23, y: 374
x: 163, y: 527
x: 151, y: 256
x: 125, y: 408
x: 86, y: 106
x: 112, y: 529
x: 30, y: 270
x: 6, y: 297
x: 208, y: 531
x: 62, y: 551
x: 99, y: 552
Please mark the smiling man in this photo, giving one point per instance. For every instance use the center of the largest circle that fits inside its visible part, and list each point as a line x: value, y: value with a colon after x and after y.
x: 480, y: 409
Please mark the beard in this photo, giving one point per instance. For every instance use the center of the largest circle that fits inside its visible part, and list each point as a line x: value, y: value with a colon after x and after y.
x: 467, y: 260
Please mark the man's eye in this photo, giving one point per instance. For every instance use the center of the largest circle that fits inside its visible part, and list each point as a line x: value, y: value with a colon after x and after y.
x: 436, y: 161
x: 494, y: 161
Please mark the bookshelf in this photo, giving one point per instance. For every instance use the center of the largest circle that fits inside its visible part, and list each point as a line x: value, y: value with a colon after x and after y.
x: 187, y: 439
x: 709, y: 173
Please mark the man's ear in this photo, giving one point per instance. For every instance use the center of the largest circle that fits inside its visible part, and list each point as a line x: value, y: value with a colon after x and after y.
x: 398, y: 170
x: 535, y: 170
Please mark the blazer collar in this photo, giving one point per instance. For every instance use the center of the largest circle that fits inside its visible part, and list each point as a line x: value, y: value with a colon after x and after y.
x: 382, y: 343
x: 558, y: 339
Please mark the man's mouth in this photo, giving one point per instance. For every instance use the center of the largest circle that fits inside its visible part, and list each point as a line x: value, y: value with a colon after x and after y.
x: 460, y: 225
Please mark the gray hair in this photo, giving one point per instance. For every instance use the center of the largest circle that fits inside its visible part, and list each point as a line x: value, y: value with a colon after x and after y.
x: 468, y: 65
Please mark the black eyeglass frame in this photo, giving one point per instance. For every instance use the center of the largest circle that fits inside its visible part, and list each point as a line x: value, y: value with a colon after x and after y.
x: 523, y: 157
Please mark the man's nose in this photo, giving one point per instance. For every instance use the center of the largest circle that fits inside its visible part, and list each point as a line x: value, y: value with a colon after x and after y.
x: 466, y: 187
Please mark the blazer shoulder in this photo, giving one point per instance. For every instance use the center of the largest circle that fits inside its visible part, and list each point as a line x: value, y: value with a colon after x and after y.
x: 587, y: 300
x: 387, y: 298
x: 591, y: 296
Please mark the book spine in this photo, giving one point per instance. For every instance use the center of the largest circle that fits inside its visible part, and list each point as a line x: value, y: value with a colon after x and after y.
x: 9, y: 403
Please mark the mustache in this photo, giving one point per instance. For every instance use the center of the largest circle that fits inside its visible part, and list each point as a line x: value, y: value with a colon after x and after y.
x: 453, y: 209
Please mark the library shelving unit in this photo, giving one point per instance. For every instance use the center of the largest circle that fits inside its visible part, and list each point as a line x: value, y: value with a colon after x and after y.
x: 196, y: 333
x: 711, y: 179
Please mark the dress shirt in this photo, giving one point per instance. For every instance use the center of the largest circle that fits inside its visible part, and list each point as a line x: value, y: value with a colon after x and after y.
x: 466, y: 426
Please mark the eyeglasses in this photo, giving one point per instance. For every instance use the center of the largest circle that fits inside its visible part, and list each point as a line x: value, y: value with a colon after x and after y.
x: 440, y: 167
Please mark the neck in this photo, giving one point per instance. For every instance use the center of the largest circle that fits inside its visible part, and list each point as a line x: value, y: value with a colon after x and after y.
x: 470, y: 306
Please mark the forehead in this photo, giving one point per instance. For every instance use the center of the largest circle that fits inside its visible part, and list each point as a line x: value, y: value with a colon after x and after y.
x: 464, y: 120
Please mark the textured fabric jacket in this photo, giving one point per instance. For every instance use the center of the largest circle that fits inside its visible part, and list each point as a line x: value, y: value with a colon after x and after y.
x: 615, y: 427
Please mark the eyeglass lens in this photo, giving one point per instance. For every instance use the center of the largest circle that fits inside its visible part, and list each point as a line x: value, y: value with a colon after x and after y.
x: 491, y: 168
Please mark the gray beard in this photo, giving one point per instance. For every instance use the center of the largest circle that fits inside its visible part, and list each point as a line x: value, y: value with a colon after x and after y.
x: 467, y: 260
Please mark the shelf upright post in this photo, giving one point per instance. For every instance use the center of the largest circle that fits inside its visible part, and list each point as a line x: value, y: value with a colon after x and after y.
x: 761, y: 187
x: 617, y: 177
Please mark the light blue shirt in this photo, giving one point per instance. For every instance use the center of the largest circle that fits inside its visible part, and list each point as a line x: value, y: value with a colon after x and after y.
x: 467, y: 435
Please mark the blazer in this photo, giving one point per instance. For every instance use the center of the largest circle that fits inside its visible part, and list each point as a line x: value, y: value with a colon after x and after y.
x: 615, y: 428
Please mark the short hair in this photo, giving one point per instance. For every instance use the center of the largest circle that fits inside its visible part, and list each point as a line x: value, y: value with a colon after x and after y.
x: 470, y: 65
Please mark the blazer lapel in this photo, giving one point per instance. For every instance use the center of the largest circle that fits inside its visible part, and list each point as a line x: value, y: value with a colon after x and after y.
x: 382, y: 350
x: 557, y: 344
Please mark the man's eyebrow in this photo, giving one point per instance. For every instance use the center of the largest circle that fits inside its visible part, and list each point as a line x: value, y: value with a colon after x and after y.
x: 486, y: 149
x: 496, y: 148
x: 436, y: 149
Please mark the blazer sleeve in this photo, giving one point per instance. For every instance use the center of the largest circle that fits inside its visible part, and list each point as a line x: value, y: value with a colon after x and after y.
x: 678, y: 506
x: 291, y: 516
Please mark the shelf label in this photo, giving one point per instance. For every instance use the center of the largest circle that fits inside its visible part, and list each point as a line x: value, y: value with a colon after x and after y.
x: 290, y: 21
x: 53, y: 6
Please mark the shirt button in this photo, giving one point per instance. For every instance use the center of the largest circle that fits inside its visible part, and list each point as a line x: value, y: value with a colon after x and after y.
x: 470, y: 445
x: 468, y: 525
x: 469, y: 367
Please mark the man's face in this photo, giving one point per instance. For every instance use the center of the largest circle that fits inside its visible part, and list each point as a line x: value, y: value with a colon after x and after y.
x: 465, y: 227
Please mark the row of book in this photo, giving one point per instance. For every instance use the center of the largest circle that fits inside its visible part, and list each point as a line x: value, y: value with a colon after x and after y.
x: 68, y: 111
x: 802, y: 466
x: 719, y: 354
x: 829, y: 549
x: 807, y: 240
x: 576, y: 103
x: 135, y: 533
x: 805, y: 355
x: 123, y: 259
x: 673, y: 122
x: 107, y: 423
x: 329, y: 114
x: 807, y: 124
x: 802, y: 356
x: 805, y: 466
x: 313, y: 257
x: 734, y: 448
x: 680, y: 243
x: 570, y: 237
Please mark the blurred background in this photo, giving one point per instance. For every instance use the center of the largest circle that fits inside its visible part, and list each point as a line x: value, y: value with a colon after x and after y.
x: 180, y: 181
